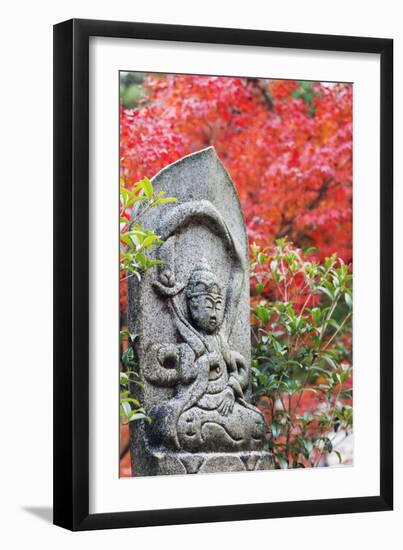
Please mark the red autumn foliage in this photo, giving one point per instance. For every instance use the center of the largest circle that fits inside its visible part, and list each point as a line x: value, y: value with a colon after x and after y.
x: 290, y: 159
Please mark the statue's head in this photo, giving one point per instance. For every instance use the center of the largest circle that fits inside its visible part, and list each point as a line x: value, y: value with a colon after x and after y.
x: 205, y: 298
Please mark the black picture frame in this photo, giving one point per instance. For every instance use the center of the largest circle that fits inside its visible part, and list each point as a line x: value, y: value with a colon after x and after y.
x: 71, y: 274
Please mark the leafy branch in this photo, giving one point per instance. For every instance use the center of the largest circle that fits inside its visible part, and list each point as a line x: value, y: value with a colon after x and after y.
x: 301, y: 315
x: 136, y: 243
x: 136, y: 246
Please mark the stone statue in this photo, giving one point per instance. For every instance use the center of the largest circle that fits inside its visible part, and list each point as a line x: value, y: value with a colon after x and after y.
x: 192, y: 321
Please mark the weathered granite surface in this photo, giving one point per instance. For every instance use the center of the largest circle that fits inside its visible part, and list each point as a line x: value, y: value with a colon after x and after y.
x: 192, y: 321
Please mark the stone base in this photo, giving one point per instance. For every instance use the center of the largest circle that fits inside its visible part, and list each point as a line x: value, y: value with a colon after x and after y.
x: 171, y: 463
x: 150, y: 461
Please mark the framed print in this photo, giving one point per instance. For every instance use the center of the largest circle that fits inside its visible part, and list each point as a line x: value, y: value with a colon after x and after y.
x: 223, y: 313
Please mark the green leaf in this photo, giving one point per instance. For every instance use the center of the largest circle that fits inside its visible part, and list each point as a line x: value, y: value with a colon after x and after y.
x: 150, y: 240
x: 127, y: 239
x: 152, y: 263
x: 295, y: 363
x: 317, y: 368
x: 124, y: 193
x: 308, y: 446
x: 261, y: 258
x: 126, y: 408
x: 133, y: 373
x: 329, y: 361
x: 276, y: 430
x: 344, y: 376
x: 334, y: 323
x: 128, y: 359
x: 262, y: 313
x: 147, y: 187
x: 138, y: 416
x: 326, y: 291
x: 348, y: 300
x: 316, y: 315
x: 122, y: 335
x: 141, y: 260
x: 164, y: 201
x: 122, y: 415
x: 130, y: 400
x: 134, y: 199
x: 282, y: 462
x: 123, y: 379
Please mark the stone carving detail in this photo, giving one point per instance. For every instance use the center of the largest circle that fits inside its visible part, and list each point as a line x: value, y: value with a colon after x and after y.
x: 208, y: 411
x: 192, y: 321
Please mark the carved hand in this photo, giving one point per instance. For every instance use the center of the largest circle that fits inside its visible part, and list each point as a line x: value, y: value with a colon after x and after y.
x: 167, y: 278
x: 227, y: 403
x: 168, y: 356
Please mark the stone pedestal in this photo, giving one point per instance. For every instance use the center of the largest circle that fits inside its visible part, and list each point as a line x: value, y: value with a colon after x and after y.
x: 178, y: 463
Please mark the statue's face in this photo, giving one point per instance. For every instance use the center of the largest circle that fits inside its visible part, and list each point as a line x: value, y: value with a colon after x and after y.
x: 207, y: 312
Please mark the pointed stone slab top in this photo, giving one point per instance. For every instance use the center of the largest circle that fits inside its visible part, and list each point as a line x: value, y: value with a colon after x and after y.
x: 202, y: 176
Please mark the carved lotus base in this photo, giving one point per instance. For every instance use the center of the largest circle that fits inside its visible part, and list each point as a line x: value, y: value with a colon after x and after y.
x: 179, y: 463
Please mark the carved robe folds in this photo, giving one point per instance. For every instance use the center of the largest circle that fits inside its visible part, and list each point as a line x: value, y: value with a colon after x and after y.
x: 197, y: 418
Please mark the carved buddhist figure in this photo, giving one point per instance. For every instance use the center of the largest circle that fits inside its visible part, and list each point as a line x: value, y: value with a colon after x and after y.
x: 208, y: 411
x: 191, y: 318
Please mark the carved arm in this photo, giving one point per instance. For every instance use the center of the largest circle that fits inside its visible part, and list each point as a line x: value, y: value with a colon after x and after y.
x: 239, y: 373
